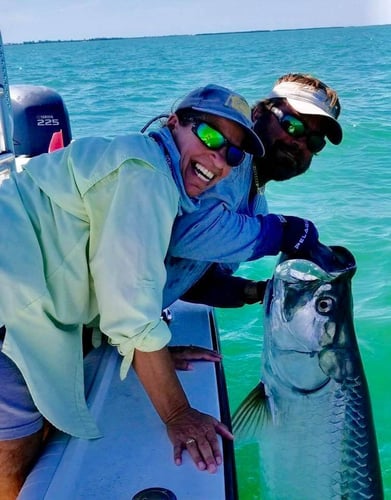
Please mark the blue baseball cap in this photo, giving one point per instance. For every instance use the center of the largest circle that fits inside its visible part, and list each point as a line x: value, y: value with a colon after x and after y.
x: 220, y: 101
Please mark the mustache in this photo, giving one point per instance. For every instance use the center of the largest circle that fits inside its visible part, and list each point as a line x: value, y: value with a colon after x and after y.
x: 281, y: 146
x: 285, y: 155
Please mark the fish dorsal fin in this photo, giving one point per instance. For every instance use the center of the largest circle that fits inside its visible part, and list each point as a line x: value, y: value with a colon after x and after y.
x: 252, y: 414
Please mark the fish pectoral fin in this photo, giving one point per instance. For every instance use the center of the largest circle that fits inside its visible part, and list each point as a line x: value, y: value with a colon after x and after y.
x: 252, y: 414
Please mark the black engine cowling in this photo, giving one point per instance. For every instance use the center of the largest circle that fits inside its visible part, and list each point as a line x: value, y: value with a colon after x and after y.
x: 38, y: 113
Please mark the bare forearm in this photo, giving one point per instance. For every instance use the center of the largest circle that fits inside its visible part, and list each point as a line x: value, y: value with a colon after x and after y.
x: 187, y: 428
x: 157, y: 374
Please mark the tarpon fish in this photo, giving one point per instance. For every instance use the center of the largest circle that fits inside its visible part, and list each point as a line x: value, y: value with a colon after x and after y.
x: 311, y: 412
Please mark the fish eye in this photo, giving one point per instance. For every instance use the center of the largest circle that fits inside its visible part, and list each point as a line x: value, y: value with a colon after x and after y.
x: 324, y: 305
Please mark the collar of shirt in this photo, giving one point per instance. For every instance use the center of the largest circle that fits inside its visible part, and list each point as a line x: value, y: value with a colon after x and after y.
x: 165, y: 140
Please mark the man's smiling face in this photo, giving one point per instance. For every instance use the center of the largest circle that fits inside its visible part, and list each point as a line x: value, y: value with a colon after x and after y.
x: 202, y: 167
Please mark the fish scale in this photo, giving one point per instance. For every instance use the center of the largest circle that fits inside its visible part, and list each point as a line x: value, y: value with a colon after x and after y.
x: 360, y: 433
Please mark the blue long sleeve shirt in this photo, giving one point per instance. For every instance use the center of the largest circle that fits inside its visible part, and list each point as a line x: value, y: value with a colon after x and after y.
x: 224, y: 229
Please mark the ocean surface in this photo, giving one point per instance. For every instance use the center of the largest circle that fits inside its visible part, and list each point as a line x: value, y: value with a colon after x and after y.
x: 114, y: 86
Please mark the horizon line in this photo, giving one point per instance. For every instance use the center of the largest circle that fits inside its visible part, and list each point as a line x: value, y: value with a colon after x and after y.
x: 98, y: 38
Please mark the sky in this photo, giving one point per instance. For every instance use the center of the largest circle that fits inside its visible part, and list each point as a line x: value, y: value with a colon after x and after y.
x: 34, y: 20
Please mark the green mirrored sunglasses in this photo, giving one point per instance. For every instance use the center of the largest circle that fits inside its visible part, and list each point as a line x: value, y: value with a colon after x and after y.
x: 215, y: 140
x: 296, y: 128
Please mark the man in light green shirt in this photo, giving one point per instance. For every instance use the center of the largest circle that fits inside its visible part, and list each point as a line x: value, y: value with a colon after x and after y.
x: 84, y: 234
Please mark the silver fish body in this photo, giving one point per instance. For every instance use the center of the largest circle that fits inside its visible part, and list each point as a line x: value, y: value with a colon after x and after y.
x: 311, y: 413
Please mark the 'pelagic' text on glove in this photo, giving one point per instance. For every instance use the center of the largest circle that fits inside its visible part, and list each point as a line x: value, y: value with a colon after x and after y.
x: 299, y: 235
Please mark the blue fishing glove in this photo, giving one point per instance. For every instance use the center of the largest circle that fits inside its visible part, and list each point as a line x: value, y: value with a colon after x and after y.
x: 299, y: 236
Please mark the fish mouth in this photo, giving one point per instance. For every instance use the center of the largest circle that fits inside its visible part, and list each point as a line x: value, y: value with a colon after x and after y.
x: 328, y: 263
x: 203, y: 173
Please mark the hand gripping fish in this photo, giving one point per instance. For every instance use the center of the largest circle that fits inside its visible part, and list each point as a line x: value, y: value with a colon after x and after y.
x: 311, y: 412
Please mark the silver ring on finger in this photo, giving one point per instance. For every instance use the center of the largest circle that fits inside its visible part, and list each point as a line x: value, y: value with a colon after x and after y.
x: 190, y: 441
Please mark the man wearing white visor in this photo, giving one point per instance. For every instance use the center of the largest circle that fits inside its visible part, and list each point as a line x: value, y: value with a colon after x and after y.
x: 294, y: 122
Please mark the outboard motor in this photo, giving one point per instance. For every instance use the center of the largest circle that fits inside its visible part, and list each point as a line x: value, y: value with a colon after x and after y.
x: 39, y: 112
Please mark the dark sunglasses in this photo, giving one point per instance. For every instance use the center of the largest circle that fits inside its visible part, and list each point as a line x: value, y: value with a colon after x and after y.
x: 213, y: 139
x: 296, y: 128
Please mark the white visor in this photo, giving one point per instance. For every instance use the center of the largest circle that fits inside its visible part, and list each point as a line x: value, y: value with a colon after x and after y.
x: 308, y: 100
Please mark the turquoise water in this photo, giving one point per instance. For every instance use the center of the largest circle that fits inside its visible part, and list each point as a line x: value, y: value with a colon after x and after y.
x: 115, y: 86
